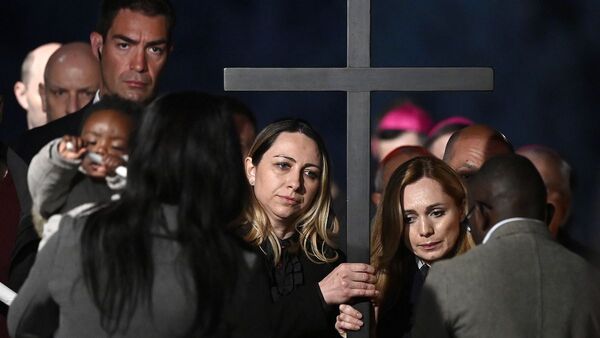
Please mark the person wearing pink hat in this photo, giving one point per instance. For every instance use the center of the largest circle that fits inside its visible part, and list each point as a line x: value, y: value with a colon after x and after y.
x: 405, y: 124
x: 441, y: 132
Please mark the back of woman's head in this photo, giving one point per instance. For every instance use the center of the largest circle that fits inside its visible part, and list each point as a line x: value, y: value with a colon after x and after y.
x: 185, y: 154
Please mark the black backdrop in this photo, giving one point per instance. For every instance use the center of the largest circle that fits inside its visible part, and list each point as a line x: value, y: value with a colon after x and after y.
x: 545, y: 56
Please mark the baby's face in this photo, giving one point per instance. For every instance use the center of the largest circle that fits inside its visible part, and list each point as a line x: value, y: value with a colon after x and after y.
x: 106, y: 132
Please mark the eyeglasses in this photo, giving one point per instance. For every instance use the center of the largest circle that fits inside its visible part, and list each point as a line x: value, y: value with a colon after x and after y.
x: 466, y: 221
x: 470, y: 213
x: 478, y: 204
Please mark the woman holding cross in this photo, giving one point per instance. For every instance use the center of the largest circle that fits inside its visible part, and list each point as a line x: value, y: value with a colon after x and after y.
x: 290, y: 221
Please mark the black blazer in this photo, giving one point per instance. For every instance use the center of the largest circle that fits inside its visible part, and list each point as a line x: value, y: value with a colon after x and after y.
x: 303, y: 313
x: 31, y: 141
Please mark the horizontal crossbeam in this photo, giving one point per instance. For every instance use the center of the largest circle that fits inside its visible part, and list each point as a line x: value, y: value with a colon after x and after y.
x: 359, y: 79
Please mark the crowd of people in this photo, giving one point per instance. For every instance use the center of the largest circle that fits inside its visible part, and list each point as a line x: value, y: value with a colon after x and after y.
x: 145, y: 215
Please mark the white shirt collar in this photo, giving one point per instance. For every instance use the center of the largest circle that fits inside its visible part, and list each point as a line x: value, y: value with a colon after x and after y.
x: 508, y: 220
x: 420, y: 263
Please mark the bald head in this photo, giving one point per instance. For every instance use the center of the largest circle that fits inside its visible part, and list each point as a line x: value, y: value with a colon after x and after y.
x: 32, y: 74
x: 469, y: 148
x: 506, y: 186
x: 556, y: 174
x: 390, y: 163
x: 72, y: 77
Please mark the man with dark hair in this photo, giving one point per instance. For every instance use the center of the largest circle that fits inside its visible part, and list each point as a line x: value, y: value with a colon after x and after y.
x: 150, y: 8
x: 519, y: 282
x: 133, y: 43
x: 469, y: 148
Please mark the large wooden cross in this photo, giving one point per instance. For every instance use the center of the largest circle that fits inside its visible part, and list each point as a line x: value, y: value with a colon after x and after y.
x: 358, y: 80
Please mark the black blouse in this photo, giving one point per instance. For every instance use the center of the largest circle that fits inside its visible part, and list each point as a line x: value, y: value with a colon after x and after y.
x: 300, y: 310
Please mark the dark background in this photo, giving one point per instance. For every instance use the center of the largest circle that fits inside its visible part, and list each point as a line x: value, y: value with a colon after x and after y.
x: 544, y: 53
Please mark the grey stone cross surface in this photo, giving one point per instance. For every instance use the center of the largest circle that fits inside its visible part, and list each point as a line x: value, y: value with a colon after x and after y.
x: 358, y: 80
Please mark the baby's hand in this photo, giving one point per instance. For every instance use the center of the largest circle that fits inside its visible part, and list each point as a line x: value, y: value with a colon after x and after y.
x: 71, y: 147
x: 111, y: 162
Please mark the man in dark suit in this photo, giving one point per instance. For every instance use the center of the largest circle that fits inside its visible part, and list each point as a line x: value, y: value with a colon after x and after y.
x: 519, y: 282
x: 132, y: 41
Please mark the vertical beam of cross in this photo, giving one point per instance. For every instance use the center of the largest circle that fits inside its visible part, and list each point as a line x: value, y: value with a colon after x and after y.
x: 358, y: 79
x: 358, y: 107
x: 358, y: 110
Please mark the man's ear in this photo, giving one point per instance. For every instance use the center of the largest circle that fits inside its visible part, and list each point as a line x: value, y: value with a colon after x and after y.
x: 20, y: 90
x: 97, y: 43
x: 549, y: 213
x: 250, y: 170
x: 42, y: 92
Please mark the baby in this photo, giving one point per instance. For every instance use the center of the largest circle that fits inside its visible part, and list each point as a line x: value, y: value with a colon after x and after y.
x: 78, y: 171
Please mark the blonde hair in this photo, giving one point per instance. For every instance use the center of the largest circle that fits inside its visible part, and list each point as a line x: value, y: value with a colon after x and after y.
x: 389, y: 255
x: 317, y: 226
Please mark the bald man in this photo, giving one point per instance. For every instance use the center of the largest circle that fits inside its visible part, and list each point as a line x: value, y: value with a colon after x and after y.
x: 390, y: 163
x: 71, y: 79
x: 469, y: 148
x: 519, y: 282
x: 556, y: 174
x: 32, y: 74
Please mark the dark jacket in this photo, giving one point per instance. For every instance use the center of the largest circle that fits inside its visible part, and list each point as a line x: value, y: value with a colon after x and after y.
x: 299, y: 307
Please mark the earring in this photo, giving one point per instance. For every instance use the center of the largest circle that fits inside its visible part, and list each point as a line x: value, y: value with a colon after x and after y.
x: 252, y: 182
x: 465, y: 224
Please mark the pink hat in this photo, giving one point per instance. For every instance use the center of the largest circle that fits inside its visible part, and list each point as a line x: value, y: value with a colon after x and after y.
x: 406, y: 116
x: 456, y: 120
